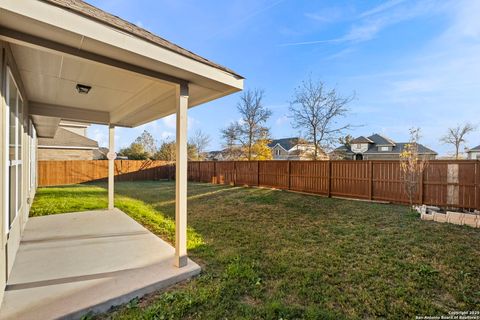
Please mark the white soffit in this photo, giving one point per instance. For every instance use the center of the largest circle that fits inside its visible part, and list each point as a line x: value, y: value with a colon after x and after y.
x: 78, y: 31
x: 130, y: 98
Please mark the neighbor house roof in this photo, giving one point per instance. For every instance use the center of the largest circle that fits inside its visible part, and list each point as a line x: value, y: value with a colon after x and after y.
x: 68, y: 139
x: 377, y: 140
x: 361, y: 139
x: 100, y: 153
x: 99, y: 15
x: 380, y: 140
x: 342, y: 149
x: 477, y: 148
x: 285, y: 143
x: 398, y: 148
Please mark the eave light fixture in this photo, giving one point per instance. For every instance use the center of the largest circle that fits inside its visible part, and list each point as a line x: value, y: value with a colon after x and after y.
x: 83, y: 89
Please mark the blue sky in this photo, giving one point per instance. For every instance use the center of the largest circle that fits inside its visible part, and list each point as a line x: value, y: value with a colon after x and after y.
x: 410, y: 63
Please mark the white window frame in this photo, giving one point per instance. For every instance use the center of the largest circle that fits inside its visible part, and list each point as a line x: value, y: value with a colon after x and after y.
x: 16, y: 162
x: 384, y: 148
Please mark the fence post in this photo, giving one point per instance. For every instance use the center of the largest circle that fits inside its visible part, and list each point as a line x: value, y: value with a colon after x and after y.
x: 370, y: 187
x: 234, y: 173
x: 477, y: 184
x: 421, y: 186
x: 329, y: 179
x: 258, y: 173
x: 289, y: 174
x: 214, y: 172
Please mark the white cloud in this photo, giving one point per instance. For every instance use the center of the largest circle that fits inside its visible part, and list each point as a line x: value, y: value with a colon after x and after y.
x: 167, y: 135
x: 99, y: 134
x: 326, y: 15
x: 282, y: 120
x: 371, y: 22
x: 381, y: 8
x: 437, y: 87
x: 243, y: 18
x: 171, y: 122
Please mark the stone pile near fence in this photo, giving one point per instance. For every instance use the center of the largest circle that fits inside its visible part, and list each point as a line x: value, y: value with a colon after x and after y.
x: 432, y: 213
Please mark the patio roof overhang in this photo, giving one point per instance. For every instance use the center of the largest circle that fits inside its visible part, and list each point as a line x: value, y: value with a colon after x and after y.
x: 133, y: 80
x: 132, y: 76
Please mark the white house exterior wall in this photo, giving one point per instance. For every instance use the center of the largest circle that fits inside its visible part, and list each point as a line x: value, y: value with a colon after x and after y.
x: 474, y: 155
x: 359, y: 147
x: 278, y: 153
x: 11, y: 233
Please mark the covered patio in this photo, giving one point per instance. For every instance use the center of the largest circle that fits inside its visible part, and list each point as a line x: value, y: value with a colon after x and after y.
x: 74, y: 263
x: 67, y: 60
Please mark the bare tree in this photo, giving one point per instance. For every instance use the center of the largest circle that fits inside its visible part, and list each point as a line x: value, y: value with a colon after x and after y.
x: 341, y: 153
x: 148, y: 143
x: 456, y: 136
x: 229, y: 135
x: 251, y: 127
x: 412, y: 165
x: 200, y: 140
x: 168, y: 150
x: 316, y: 109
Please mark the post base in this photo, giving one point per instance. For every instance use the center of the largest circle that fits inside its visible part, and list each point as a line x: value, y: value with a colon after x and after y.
x: 181, y: 261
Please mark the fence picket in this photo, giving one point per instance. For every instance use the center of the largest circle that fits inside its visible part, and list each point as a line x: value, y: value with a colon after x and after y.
x: 374, y: 180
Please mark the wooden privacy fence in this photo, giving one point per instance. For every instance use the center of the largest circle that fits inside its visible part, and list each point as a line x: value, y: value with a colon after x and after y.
x: 444, y: 183
x: 54, y: 173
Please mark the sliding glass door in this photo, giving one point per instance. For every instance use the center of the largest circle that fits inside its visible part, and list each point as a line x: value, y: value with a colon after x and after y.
x: 15, y: 129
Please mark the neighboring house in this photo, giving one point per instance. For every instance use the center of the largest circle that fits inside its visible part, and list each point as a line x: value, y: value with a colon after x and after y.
x: 377, y: 147
x: 101, y: 154
x: 294, y: 149
x: 224, y: 155
x: 69, y: 143
x: 474, y: 153
x: 217, y: 155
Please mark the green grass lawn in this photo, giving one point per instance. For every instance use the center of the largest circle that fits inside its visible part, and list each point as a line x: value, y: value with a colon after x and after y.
x: 271, y: 254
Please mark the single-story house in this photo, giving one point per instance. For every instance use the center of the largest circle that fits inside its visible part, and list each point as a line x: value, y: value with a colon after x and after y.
x: 474, y: 153
x: 295, y: 149
x: 377, y: 147
x: 70, y: 142
x: 65, y: 60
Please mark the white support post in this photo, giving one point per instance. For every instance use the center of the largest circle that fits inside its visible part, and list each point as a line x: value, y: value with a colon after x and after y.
x: 111, y: 166
x: 181, y: 179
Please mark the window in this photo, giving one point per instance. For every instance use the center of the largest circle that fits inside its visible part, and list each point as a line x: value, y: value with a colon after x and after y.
x: 384, y: 148
x: 277, y: 152
x: 358, y: 146
x: 15, y: 129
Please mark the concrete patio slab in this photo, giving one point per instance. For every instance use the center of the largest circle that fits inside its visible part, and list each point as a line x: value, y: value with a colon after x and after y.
x: 71, y: 264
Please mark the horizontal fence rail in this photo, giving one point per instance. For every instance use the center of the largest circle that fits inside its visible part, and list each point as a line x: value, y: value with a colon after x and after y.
x: 444, y: 183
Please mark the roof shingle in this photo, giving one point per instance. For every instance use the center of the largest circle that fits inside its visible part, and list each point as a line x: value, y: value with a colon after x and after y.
x: 94, y: 13
x: 285, y: 143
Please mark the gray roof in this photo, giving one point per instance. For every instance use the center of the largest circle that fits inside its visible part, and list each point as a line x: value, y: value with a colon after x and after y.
x: 94, y: 13
x: 378, y: 140
x: 100, y: 153
x: 285, y: 143
x: 361, y: 139
x: 477, y: 148
x: 398, y: 148
x: 381, y: 140
x: 66, y: 138
x: 343, y: 149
